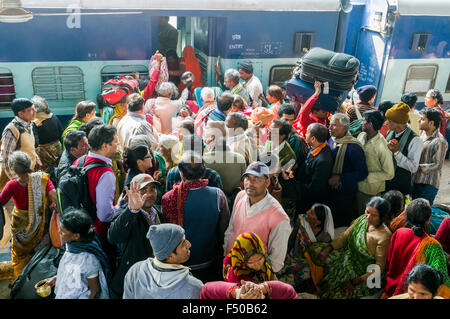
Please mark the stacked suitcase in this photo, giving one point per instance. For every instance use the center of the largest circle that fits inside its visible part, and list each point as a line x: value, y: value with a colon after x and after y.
x: 338, y: 70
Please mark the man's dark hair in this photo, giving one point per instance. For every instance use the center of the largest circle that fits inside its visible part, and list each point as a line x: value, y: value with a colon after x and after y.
x: 20, y: 104
x: 397, y: 201
x: 192, y: 166
x: 100, y: 135
x: 433, y: 115
x: 384, y: 106
x: 319, y: 131
x: 72, y: 139
x: 286, y: 108
x: 374, y: 117
x: 87, y: 127
x: 417, y: 214
x: 239, y: 120
x: 188, y: 125
x: 284, y: 127
x: 193, y: 143
x: 225, y: 101
x: 135, y: 102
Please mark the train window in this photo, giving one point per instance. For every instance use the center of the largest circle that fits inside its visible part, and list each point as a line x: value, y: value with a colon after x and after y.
x: 7, y: 90
x: 420, y: 78
x: 302, y: 42
x: 419, y: 41
x: 280, y: 74
x: 110, y: 71
x: 59, y: 83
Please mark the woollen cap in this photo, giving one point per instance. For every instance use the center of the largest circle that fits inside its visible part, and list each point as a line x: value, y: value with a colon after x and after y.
x: 399, y: 113
x: 366, y: 92
x: 164, y: 239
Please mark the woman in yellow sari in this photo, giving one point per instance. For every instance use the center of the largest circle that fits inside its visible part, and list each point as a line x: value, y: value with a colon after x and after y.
x: 31, y: 193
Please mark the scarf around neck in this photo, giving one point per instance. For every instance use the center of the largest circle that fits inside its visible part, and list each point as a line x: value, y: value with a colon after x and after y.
x: 173, y: 205
x: 343, y: 142
x: 92, y: 247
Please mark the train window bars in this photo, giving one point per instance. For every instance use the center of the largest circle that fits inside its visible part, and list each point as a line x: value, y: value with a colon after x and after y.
x: 419, y: 41
x: 110, y: 71
x: 7, y: 89
x: 59, y: 83
x: 303, y: 42
x: 420, y: 78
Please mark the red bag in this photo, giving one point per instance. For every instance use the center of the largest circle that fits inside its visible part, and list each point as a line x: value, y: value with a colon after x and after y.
x: 114, y: 90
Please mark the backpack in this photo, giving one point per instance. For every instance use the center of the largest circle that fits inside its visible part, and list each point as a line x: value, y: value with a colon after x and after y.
x: 43, y: 265
x: 117, y: 88
x: 73, y: 188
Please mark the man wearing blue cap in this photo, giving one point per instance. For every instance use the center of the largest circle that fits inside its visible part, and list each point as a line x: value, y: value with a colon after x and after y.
x: 367, y: 95
x: 18, y: 135
x: 163, y: 277
x: 255, y: 210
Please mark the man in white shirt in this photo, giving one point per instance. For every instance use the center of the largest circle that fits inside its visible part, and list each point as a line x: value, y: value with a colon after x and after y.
x: 251, y: 82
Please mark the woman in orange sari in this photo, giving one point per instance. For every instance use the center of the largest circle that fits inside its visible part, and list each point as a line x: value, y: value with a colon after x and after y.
x: 31, y: 193
x: 191, y: 64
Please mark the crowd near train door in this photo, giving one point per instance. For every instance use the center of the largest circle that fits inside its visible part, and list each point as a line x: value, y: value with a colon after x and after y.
x: 179, y: 38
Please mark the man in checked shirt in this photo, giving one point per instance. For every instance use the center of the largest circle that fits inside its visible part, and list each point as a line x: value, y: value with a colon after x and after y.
x: 18, y: 135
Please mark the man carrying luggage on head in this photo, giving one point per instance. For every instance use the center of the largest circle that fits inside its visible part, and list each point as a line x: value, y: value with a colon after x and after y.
x: 311, y: 113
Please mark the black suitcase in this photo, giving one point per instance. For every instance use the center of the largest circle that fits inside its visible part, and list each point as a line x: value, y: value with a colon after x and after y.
x: 340, y: 70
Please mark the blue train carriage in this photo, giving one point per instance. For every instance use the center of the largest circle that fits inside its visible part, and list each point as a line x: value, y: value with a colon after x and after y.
x: 403, y: 46
x: 66, y: 57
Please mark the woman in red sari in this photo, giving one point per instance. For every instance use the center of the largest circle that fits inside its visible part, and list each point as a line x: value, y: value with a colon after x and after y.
x: 411, y: 246
x: 190, y: 63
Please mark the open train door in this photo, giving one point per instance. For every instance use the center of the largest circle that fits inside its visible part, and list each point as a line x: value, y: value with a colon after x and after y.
x: 195, y: 31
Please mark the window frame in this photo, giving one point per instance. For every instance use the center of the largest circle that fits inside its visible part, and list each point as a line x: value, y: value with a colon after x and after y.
x: 114, y: 74
x: 414, y: 41
x: 303, y: 33
x: 432, y: 83
x: 58, y: 83
x: 271, y: 72
x: 7, y: 73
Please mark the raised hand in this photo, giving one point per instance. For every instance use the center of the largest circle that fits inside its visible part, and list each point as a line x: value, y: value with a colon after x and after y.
x: 135, y: 199
x: 318, y: 87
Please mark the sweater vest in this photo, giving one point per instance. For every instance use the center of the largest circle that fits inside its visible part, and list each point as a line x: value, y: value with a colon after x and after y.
x: 26, y: 141
x: 402, y: 178
x: 94, y: 175
x: 262, y: 223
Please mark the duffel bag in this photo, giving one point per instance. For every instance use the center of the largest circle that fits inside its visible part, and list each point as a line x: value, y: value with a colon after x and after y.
x: 340, y: 70
x: 115, y: 89
x: 43, y: 265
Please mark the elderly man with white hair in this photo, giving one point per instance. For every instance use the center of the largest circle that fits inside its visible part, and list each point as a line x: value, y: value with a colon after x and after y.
x: 208, y: 105
x: 164, y: 109
x: 231, y: 79
x: 349, y: 169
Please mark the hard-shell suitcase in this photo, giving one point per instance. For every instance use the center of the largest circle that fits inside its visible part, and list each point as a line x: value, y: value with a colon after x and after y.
x: 340, y: 70
x: 302, y: 91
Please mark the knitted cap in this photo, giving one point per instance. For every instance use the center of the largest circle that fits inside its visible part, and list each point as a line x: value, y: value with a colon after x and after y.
x: 164, y: 239
x: 366, y: 92
x: 246, y: 66
x: 399, y: 113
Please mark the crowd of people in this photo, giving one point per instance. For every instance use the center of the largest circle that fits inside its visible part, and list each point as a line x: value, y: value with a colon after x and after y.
x: 227, y: 192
